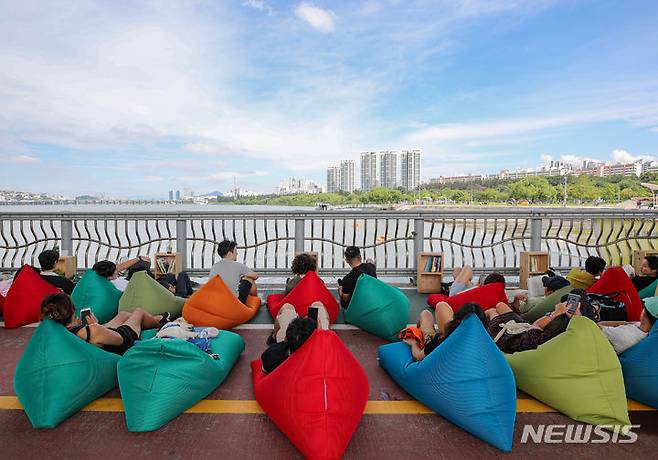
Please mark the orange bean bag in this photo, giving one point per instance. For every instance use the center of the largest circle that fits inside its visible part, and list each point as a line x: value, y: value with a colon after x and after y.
x: 616, y: 284
x: 316, y: 397
x: 486, y: 296
x: 23, y: 303
x: 310, y: 289
x: 216, y: 305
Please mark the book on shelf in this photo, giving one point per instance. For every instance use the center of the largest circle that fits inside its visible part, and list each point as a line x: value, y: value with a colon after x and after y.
x: 433, y: 264
x: 428, y: 265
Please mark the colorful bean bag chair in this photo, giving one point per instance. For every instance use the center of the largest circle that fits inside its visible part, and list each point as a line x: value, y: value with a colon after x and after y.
x: 638, y: 364
x: 378, y: 308
x: 649, y: 291
x: 214, y: 304
x: 59, y: 374
x: 577, y: 373
x: 466, y: 380
x: 546, y: 305
x: 309, y: 289
x: 616, y: 284
x: 486, y: 296
x: 23, y: 302
x: 97, y: 293
x: 161, y: 378
x: 316, y: 397
x: 149, y: 295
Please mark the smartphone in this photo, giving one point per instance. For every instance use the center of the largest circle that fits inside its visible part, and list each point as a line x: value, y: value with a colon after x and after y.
x: 572, y: 303
x: 85, y: 314
x: 313, y: 313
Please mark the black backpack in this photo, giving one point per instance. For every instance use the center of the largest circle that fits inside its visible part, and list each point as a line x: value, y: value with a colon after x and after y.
x: 608, y: 309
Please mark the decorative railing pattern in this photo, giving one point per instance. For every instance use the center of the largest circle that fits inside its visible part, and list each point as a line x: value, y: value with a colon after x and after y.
x: 489, y: 239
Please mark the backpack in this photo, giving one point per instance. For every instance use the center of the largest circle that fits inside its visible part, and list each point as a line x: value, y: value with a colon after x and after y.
x: 608, y: 309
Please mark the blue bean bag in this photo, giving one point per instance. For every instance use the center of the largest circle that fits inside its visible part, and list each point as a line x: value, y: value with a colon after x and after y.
x: 466, y: 380
x: 59, y: 374
x: 640, y: 367
x: 161, y: 378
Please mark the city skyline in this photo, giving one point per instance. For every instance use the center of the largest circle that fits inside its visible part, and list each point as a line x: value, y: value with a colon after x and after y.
x: 160, y: 95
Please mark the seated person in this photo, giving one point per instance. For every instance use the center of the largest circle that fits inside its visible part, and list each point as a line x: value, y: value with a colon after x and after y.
x: 115, y: 336
x: 551, y: 284
x: 463, y: 279
x: 179, y: 285
x: 648, y: 273
x: 427, y: 335
x: 48, y: 259
x: 237, y: 276
x: 348, y: 284
x: 301, y: 265
x: 290, y: 332
x: 583, y: 279
x: 623, y: 335
x: 512, y: 334
x: 110, y: 270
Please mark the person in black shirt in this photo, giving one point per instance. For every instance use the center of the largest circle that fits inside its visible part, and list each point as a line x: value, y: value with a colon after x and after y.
x: 348, y: 284
x: 47, y: 260
x: 289, y: 334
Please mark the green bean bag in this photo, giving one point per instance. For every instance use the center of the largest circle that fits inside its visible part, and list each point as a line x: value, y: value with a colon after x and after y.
x: 97, y: 293
x: 59, y: 374
x: 649, y: 291
x: 378, y: 308
x: 577, y: 373
x: 161, y: 378
x: 545, y: 306
x: 149, y: 295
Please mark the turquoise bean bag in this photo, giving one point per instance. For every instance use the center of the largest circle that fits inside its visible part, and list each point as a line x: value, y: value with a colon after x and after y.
x: 466, y: 380
x: 149, y: 295
x: 59, y: 374
x: 649, y: 291
x: 161, y: 378
x: 97, y: 293
x: 640, y: 367
x: 378, y: 308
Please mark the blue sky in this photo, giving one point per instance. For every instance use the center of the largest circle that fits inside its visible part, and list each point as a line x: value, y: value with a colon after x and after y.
x: 134, y: 98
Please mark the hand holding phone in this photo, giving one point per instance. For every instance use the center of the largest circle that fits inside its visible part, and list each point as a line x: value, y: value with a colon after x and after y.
x: 85, y: 314
x: 573, y: 300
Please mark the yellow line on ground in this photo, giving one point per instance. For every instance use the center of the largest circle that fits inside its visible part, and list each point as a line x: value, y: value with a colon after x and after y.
x: 234, y: 406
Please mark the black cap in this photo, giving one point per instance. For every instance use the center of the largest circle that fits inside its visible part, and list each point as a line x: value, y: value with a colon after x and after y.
x: 554, y: 282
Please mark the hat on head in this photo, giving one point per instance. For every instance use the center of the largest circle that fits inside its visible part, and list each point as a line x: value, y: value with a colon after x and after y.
x: 651, y: 304
x: 554, y: 282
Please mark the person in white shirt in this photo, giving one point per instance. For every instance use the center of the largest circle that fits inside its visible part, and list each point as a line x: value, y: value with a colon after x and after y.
x: 237, y: 276
x: 623, y: 335
x: 110, y: 270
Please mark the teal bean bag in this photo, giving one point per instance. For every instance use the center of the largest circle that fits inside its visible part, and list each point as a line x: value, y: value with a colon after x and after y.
x: 378, y: 308
x: 649, y: 291
x: 97, y: 293
x: 546, y: 305
x: 59, y: 374
x: 149, y: 295
x: 161, y: 378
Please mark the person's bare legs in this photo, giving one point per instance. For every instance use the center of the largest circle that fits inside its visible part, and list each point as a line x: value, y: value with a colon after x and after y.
x: 501, y: 309
x: 465, y: 275
x: 323, y: 316
x: 455, y: 272
x: 286, y: 315
x: 139, y: 319
x: 443, y: 314
x: 426, y: 323
x: 118, y: 320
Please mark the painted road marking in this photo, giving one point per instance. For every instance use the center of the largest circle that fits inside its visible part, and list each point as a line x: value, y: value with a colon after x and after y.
x: 235, y: 406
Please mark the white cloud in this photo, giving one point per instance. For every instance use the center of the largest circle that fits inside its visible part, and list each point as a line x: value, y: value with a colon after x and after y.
x: 622, y: 156
x: 260, y: 5
x: 321, y: 19
x: 207, y: 149
x: 546, y: 158
x: 654, y: 129
x: 224, y: 175
x: 154, y: 178
x: 19, y: 160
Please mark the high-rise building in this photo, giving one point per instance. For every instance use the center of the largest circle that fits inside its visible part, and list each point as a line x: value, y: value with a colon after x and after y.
x: 410, y: 169
x: 177, y: 195
x: 333, y: 179
x: 293, y: 185
x: 347, y: 176
x: 388, y: 167
x: 171, y: 195
x: 369, y: 170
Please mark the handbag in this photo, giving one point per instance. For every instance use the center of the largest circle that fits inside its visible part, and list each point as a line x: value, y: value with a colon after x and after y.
x: 608, y: 308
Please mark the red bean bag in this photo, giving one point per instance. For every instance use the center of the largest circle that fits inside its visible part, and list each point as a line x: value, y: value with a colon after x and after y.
x: 616, y: 284
x: 316, y: 397
x: 214, y: 304
x: 23, y: 303
x: 486, y: 296
x: 310, y: 289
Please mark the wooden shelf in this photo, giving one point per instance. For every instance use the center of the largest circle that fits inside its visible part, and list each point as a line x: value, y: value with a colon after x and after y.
x: 67, y: 265
x: 532, y: 263
x: 169, y: 258
x: 429, y: 282
x: 639, y: 255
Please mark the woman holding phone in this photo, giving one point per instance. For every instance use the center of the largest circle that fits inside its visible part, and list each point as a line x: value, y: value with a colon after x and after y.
x: 115, y: 336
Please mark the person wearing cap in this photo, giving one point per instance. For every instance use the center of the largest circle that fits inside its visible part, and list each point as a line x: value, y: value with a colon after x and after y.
x: 583, y: 279
x: 623, y: 335
x: 522, y: 303
x: 553, y: 283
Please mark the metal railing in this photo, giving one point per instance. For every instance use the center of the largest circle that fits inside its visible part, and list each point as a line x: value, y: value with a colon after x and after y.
x: 488, y: 239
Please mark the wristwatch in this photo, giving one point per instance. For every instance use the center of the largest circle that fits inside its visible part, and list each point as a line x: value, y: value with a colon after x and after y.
x: 549, y: 314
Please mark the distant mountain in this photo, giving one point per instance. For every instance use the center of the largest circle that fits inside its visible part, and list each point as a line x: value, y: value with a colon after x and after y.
x: 85, y: 198
x: 215, y: 193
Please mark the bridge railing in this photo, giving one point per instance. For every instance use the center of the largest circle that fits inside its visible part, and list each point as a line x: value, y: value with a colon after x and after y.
x: 489, y: 239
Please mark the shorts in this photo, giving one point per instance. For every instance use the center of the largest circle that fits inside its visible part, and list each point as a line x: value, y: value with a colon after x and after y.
x: 129, y: 337
x: 456, y: 288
